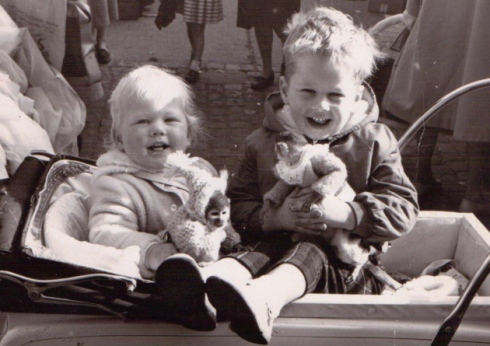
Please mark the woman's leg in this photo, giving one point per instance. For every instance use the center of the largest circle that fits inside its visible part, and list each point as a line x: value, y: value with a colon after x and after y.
x: 101, y: 51
x: 264, y: 36
x: 478, y: 168
x: 195, y: 32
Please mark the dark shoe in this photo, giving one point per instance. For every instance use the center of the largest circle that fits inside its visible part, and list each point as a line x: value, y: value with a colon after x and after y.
x: 261, y: 83
x: 249, y: 314
x: 192, y: 77
x: 181, y: 287
x: 103, y: 56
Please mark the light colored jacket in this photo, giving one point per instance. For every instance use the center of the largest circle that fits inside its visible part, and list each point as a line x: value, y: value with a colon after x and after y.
x: 130, y: 205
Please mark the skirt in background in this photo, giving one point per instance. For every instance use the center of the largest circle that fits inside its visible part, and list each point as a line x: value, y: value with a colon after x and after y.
x: 201, y: 11
x: 103, y: 11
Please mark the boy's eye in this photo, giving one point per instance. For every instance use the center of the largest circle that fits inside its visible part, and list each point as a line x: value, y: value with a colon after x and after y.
x: 336, y: 95
x: 142, y: 121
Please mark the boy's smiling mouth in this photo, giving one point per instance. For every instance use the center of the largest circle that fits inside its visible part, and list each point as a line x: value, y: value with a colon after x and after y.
x: 318, y: 121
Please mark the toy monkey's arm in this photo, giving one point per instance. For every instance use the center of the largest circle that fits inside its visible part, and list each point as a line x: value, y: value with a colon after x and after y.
x: 278, y: 194
x: 232, y: 240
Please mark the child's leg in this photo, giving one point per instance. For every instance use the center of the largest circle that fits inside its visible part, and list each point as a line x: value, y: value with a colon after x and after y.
x: 181, y: 286
x: 228, y: 269
x: 252, y: 306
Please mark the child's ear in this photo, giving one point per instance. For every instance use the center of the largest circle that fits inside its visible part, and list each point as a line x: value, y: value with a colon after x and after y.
x: 283, y: 89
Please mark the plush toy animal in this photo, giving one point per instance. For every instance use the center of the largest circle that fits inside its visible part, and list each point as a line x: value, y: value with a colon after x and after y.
x: 303, y: 164
x: 201, y: 227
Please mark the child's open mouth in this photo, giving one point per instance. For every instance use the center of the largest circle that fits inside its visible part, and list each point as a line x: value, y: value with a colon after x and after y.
x: 318, y: 121
x: 158, y: 147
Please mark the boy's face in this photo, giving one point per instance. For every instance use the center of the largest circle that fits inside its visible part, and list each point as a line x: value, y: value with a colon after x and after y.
x: 322, y: 96
x: 148, y: 135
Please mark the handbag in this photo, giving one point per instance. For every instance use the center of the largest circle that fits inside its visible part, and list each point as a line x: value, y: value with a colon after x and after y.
x: 166, y: 13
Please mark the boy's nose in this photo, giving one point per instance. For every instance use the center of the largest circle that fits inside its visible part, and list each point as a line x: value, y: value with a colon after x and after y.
x: 325, y: 105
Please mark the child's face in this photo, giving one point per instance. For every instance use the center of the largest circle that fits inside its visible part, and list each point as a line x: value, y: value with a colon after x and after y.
x: 322, y: 96
x: 148, y: 135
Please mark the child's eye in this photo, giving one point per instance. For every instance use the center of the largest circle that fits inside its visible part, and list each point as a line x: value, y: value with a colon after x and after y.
x: 308, y: 91
x: 336, y: 95
x: 172, y: 120
x: 142, y: 121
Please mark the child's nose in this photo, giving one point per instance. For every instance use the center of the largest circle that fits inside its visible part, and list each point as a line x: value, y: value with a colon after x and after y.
x: 325, y: 104
x: 158, y: 129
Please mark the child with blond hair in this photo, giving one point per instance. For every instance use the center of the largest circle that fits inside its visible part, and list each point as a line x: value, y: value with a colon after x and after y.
x: 134, y: 192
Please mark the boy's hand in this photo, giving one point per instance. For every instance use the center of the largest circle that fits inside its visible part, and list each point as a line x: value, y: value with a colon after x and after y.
x: 285, y: 218
x: 331, y: 211
x: 158, y: 253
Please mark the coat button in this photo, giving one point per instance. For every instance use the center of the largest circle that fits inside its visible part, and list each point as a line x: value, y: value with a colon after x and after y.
x: 173, y: 207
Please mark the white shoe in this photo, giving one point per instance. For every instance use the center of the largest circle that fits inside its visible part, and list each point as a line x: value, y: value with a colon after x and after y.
x: 250, y: 316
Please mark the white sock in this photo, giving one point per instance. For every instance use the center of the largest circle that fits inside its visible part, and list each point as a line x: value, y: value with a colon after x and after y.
x: 195, y: 65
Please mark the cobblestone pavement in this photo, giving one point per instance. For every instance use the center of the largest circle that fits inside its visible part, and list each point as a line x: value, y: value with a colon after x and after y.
x: 232, y: 110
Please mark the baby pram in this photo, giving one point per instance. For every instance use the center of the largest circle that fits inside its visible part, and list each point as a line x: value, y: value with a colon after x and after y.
x: 79, y: 297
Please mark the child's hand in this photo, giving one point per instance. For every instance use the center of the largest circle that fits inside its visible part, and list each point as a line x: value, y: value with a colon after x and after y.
x: 331, y: 211
x: 284, y: 218
x: 158, y: 253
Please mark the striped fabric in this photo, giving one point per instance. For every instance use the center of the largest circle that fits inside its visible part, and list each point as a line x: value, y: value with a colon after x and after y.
x: 201, y: 11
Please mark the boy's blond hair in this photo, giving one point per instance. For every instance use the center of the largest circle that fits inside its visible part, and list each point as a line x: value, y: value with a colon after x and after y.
x: 158, y: 85
x: 333, y: 34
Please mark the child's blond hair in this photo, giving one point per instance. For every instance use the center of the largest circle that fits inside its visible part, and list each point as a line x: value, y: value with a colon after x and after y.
x: 158, y: 85
x: 333, y: 34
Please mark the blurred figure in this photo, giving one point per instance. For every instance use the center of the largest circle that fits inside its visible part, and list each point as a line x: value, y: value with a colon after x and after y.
x: 449, y: 46
x: 266, y: 17
x: 103, y: 12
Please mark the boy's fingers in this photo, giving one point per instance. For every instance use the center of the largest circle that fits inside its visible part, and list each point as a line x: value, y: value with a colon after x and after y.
x: 312, y: 227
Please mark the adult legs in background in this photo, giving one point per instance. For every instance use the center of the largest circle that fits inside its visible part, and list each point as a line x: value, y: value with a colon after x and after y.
x: 195, y: 32
x: 424, y: 180
x: 103, y: 11
x: 264, y: 35
x: 474, y: 200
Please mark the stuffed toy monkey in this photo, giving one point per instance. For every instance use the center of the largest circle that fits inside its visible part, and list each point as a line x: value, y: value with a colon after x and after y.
x: 201, y: 227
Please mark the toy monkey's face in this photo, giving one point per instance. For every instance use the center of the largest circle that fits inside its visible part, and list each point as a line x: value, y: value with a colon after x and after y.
x: 218, y: 217
x: 218, y: 209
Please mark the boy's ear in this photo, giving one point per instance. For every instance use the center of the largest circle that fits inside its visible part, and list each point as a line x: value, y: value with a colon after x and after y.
x: 283, y: 89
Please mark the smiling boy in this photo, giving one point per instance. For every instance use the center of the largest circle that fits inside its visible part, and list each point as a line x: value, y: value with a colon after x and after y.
x: 323, y: 97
